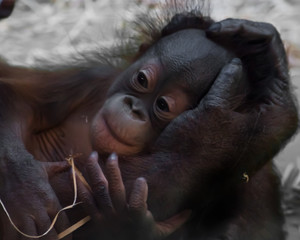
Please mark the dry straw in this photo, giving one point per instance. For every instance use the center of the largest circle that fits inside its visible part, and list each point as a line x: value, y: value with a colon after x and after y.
x: 72, y: 228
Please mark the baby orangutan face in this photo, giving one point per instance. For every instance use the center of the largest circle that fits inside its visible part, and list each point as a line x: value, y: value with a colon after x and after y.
x: 170, y: 78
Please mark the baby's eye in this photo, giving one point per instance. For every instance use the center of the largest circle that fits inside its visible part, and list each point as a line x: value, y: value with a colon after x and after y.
x: 162, y: 104
x: 142, y: 79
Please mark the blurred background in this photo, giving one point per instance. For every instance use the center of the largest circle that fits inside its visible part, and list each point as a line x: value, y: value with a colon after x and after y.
x: 41, y: 30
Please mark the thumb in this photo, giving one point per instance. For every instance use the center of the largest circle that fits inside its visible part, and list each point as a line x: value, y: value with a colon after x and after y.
x: 53, y: 168
x: 226, y: 87
x: 169, y: 226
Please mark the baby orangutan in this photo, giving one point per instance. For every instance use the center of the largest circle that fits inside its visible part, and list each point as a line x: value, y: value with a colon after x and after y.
x: 198, y: 108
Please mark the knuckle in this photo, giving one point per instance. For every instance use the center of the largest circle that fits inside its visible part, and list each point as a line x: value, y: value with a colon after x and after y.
x: 269, y: 30
x: 136, y: 207
x: 230, y: 21
x: 137, y: 210
x: 118, y: 190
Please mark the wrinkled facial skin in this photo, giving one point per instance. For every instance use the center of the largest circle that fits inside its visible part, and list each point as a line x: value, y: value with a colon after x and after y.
x: 171, y: 77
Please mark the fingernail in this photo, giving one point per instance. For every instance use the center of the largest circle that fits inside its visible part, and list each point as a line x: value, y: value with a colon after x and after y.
x: 215, y: 27
x: 141, y: 179
x: 94, y: 154
x: 113, y: 157
x: 236, y: 61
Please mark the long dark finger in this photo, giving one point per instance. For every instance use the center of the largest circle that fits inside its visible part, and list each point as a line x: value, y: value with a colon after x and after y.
x: 138, y: 199
x: 239, y: 29
x: 116, y: 186
x: 99, y: 184
x: 248, y: 37
x: 224, y: 90
x: 89, y: 204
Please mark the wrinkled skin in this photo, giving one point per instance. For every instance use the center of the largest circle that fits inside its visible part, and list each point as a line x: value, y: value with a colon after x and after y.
x: 261, y: 115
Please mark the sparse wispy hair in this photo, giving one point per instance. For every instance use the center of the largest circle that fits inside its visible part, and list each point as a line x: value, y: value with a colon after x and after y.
x: 149, y: 25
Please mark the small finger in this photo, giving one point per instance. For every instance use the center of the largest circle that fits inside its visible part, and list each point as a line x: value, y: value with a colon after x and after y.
x: 116, y: 186
x: 89, y: 204
x: 99, y: 184
x: 223, y: 92
x: 169, y: 226
x: 138, y: 198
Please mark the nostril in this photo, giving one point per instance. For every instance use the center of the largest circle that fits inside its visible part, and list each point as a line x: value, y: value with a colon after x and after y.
x: 138, y: 114
x: 128, y: 101
x: 135, y: 107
